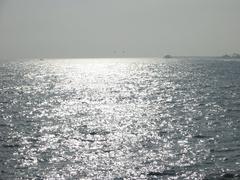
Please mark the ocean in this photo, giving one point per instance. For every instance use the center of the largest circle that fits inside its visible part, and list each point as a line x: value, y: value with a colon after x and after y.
x: 119, y: 119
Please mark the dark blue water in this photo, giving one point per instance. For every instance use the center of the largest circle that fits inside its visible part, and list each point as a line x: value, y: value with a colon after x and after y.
x: 122, y: 119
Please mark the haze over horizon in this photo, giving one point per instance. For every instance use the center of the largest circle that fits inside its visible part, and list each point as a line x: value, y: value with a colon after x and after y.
x: 136, y: 28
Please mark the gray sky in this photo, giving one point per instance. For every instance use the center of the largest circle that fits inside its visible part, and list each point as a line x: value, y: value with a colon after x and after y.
x: 107, y: 28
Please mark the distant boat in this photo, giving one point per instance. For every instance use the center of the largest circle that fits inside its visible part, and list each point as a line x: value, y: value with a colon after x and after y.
x: 225, y: 56
x: 167, y: 56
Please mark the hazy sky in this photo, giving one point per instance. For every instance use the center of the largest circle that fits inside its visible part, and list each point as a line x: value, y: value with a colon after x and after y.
x: 107, y: 28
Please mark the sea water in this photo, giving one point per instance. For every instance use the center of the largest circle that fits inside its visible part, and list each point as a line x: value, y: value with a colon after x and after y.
x: 120, y: 119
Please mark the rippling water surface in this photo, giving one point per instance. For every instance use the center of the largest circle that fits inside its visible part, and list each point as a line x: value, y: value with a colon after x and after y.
x: 119, y: 119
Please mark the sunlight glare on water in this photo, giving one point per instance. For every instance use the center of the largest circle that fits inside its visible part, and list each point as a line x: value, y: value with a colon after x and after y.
x: 107, y: 119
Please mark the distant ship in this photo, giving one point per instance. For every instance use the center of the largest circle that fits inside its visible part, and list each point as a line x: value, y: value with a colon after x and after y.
x: 167, y: 56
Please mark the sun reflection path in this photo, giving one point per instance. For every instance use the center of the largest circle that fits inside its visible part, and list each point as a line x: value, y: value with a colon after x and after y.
x: 106, y: 122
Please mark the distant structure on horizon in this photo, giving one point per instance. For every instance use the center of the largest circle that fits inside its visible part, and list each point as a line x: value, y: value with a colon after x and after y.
x: 233, y: 56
